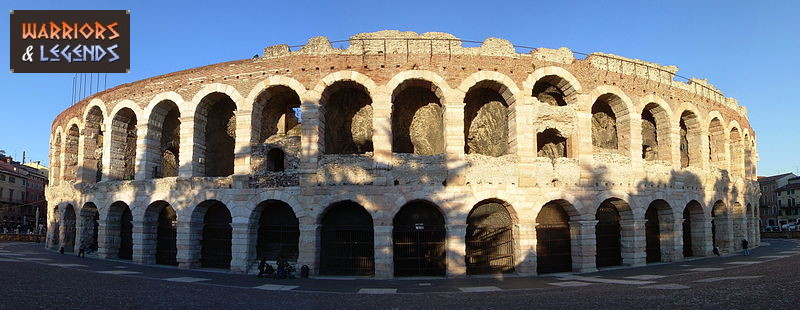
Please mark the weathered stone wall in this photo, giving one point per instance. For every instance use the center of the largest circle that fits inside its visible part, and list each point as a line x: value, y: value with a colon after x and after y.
x: 474, y: 136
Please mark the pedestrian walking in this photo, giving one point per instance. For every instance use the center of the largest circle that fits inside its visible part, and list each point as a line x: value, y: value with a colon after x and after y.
x: 715, y: 251
x: 82, y: 250
x: 745, y: 245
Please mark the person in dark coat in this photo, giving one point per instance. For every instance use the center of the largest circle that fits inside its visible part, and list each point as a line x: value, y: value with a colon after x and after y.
x: 82, y: 250
x: 745, y: 245
x: 715, y: 251
x: 262, y: 267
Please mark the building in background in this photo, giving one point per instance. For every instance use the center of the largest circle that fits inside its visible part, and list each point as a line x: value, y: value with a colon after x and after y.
x: 22, y: 199
x: 768, y: 203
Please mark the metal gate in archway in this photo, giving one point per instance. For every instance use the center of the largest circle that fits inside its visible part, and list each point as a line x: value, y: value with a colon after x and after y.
x: 652, y: 235
x: 166, y: 246
x: 489, y: 240
x: 553, y: 241
x: 217, y: 232
x: 418, y: 236
x: 126, y: 235
x: 347, y: 238
x: 687, y: 233
x: 609, y: 250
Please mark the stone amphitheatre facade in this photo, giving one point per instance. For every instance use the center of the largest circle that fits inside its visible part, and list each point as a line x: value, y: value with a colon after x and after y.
x: 406, y: 154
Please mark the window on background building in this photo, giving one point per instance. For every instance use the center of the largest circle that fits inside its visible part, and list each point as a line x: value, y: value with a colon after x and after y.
x: 12, y: 180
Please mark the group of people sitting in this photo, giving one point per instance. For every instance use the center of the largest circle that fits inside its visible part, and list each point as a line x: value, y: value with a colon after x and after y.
x: 283, y: 271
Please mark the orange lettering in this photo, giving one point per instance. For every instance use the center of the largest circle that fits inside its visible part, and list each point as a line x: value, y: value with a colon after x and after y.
x: 99, y: 30
x: 113, y: 31
x: 67, y: 31
x: 28, y: 30
x: 42, y: 32
x: 54, y: 31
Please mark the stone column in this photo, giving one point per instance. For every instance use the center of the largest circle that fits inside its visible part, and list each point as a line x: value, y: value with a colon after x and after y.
x: 186, y: 164
x: 526, y: 143
x: 702, y: 243
x: 141, y: 162
x: 107, y: 148
x: 242, y: 145
x: 454, y: 139
x: 672, y: 243
x: 384, y: 259
x: 108, y: 239
x: 188, y: 245
x: 382, y: 127
x: 147, y: 241
x: 525, y: 249
x: 139, y: 244
x: 634, y: 242
x: 583, y: 149
x: 456, y: 250
x: 583, y: 245
x: 240, y: 240
x: 308, y: 248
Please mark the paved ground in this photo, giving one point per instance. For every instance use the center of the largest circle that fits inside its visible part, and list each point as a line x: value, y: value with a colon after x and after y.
x: 32, y: 277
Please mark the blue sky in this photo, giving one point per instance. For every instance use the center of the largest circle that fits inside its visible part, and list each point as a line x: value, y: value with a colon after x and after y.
x: 748, y: 49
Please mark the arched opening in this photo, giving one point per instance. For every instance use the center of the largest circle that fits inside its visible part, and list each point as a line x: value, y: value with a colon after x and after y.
x: 215, y: 135
x: 277, y: 109
x: 553, y: 238
x: 215, y: 246
x: 749, y: 169
x: 164, y: 128
x: 658, y: 228
x: 347, y: 239
x: 119, y: 230
x: 736, y: 150
x: 55, y: 227
x: 489, y: 239
x: 276, y: 159
x: 276, y: 130
x: 739, y: 226
x: 655, y: 133
x: 550, y: 144
x: 690, y: 139
x: 55, y: 168
x: 609, y: 135
x: 554, y: 90
x: 69, y: 229
x: 486, y: 119
x: 90, y: 222
x: 347, y: 108
x: 693, y: 229
x: 719, y: 225
x: 418, y: 237
x: 608, y: 235
x: 716, y: 145
x: 278, y: 232
x: 71, y: 154
x: 417, y: 119
x: 123, y: 145
x: 166, y: 240
x: 93, y: 132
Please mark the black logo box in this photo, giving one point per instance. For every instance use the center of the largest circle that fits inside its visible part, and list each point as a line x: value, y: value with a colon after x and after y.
x: 19, y: 46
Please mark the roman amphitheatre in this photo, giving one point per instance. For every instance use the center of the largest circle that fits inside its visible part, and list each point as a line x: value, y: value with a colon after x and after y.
x: 397, y: 154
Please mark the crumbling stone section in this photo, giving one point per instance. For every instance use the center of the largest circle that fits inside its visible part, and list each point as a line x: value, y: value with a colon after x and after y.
x: 417, y: 122
x: 93, y: 146
x: 348, y: 120
x: 71, y: 153
x: 123, y: 145
x: 398, y: 119
x: 486, y: 123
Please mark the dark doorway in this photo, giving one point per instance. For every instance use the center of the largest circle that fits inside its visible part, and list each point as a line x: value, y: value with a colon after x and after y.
x: 275, y: 160
x: 278, y: 232
x: 126, y: 235
x: 347, y: 241
x: 217, y: 232
x: 553, y: 243
x: 69, y: 229
x: 489, y: 239
x: 609, y: 250
x: 418, y: 237
x: 687, y: 233
x: 166, y: 246
x: 653, y: 235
